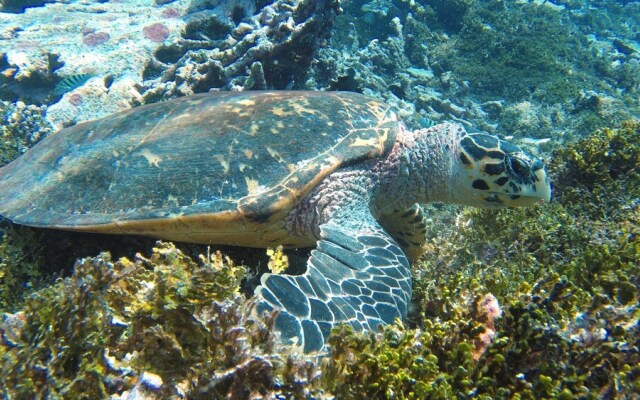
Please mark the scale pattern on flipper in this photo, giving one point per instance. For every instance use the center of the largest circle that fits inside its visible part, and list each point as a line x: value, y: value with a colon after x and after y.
x: 409, y: 228
x: 360, y: 278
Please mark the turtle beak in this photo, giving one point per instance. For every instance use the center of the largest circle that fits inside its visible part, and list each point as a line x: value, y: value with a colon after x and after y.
x: 538, y: 191
x: 543, y: 186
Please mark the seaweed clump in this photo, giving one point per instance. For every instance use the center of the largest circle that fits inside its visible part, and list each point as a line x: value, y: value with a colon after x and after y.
x: 437, y: 361
x: 20, y: 266
x: 602, y: 173
x: 164, y: 322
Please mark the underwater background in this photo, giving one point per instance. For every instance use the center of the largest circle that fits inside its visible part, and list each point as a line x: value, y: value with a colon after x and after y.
x: 534, y: 303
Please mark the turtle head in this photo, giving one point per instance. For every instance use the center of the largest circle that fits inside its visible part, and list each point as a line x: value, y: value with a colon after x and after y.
x: 490, y: 172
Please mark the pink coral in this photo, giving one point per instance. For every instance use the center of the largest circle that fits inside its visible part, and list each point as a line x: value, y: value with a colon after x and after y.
x: 75, y: 99
x: 170, y: 13
x: 157, y: 32
x: 95, y: 38
x: 491, y: 310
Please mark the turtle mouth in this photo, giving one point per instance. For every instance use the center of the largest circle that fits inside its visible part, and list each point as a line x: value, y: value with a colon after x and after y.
x: 501, y: 200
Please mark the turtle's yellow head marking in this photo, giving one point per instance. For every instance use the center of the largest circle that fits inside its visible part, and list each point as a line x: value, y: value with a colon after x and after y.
x: 495, y: 173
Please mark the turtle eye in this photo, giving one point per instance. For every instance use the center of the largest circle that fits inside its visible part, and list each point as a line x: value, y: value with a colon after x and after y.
x: 519, y: 167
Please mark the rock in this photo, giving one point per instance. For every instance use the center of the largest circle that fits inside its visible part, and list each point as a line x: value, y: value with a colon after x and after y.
x: 623, y: 47
x: 493, y: 108
x: 420, y: 73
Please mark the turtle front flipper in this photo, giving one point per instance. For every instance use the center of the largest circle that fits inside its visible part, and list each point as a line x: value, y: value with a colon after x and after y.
x: 357, y: 275
x: 409, y: 228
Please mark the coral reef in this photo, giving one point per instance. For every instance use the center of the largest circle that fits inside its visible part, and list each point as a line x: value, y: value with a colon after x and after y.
x: 491, y: 54
x: 443, y: 60
x: 35, y: 56
x: 165, y: 50
x: 267, y: 47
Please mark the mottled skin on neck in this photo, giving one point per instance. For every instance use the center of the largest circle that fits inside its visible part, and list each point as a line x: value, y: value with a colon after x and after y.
x: 417, y: 169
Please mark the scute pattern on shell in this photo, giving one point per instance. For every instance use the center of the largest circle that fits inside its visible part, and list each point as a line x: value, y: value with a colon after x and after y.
x: 251, y: 153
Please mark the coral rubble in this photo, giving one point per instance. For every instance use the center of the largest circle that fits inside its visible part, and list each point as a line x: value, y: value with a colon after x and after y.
x: 163, y: 50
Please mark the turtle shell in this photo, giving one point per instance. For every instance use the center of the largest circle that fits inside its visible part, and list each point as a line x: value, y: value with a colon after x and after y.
x: 202, y: 168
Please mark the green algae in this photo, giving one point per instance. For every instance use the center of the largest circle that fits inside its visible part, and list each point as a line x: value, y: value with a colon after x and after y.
x: 20, y: 266
x: 93, y: 333
x: 515, y: 51
x: 450, y: 13
x: 602, y: 173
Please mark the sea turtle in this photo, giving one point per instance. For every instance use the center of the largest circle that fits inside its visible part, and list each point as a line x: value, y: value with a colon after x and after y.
x: 334, y: 170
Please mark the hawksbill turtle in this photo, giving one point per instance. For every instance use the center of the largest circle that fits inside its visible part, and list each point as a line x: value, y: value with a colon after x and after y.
x: 334, y: 170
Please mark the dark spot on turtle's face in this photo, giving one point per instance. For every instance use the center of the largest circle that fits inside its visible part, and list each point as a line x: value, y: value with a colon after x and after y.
x: 464, y: 159
x: 480, y: 184
x: 494, y: 169
x: 486, y: 141
x: 470, y: 147
x: 501, y: 181
x: 520, y: 168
